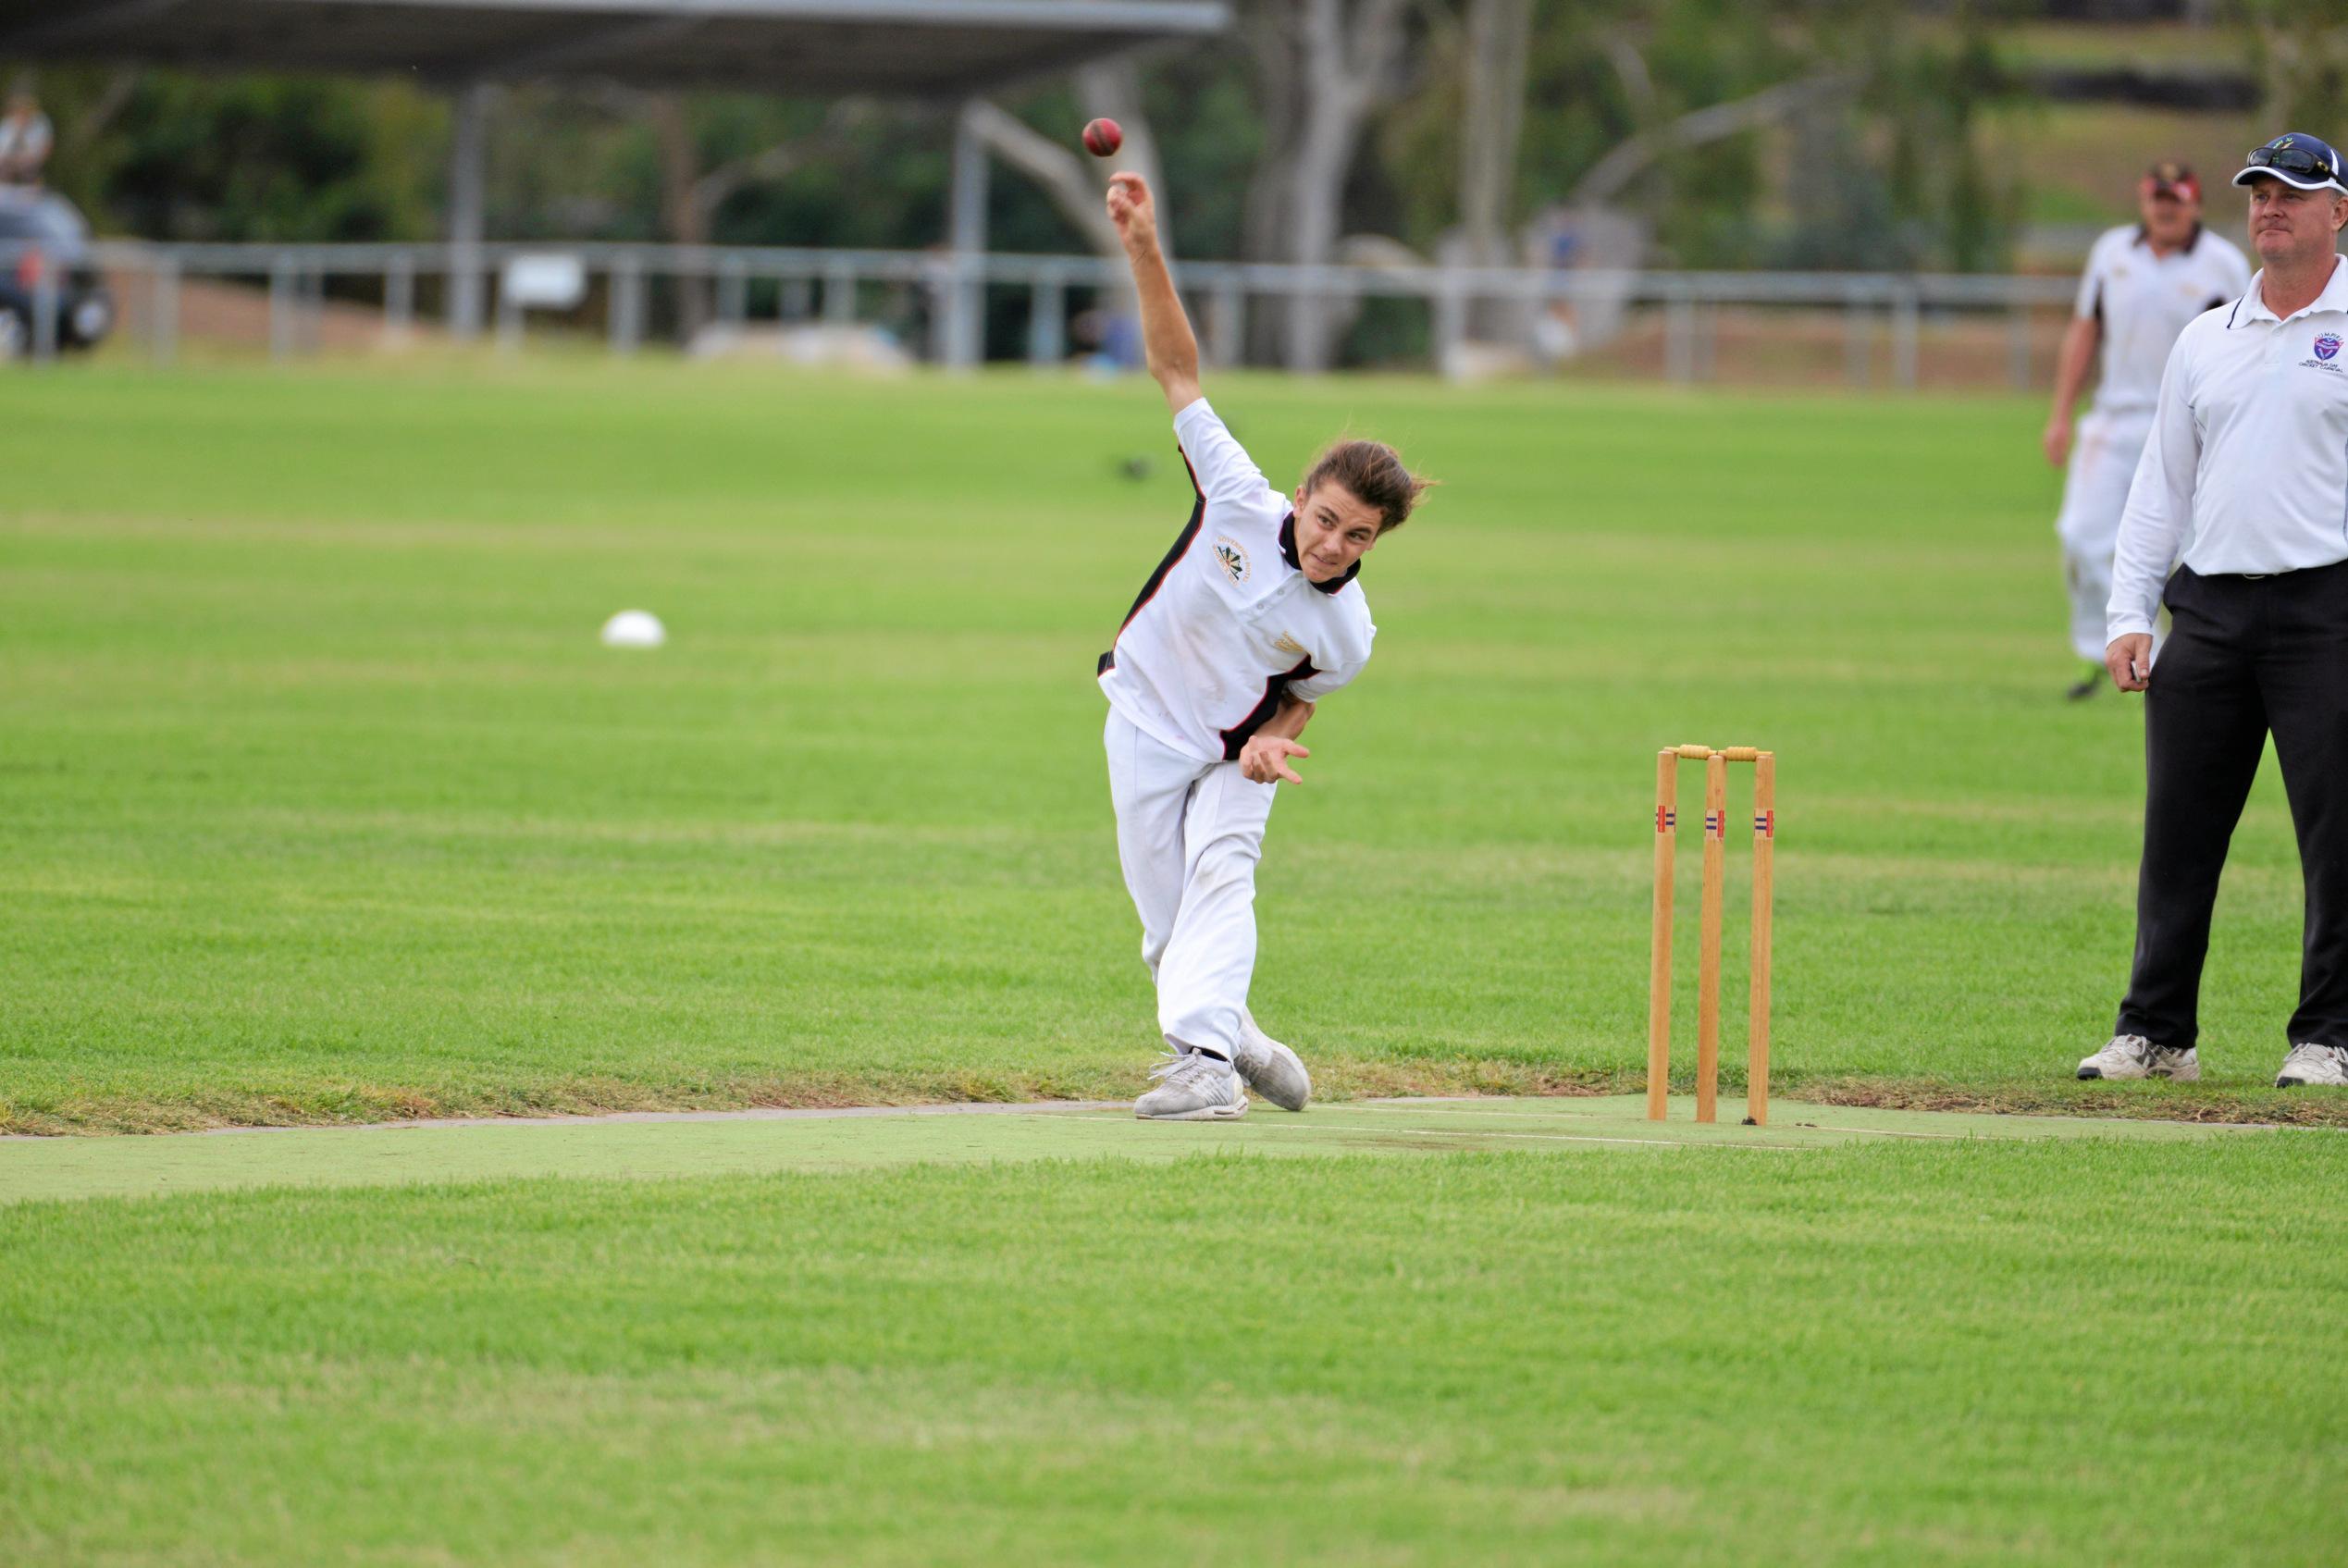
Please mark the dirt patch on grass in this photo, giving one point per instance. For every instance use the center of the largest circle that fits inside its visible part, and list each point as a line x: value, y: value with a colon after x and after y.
x: 2155, y: 1102
x: 349, y: 1104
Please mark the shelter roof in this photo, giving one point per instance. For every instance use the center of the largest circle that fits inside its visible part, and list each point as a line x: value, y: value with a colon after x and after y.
x: 914, y: 48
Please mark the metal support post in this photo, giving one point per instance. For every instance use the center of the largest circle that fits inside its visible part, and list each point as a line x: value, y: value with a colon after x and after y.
x: 398, y: 300
x: 1904, y: 334
x: 1679, y: 339
x: 1228, y: 336
x: 468, y: 152
x: 1047, y: 323
x: 313, y: 330
x: 839, y: 294
x: 964, y: 313
x: 281, y: 307
x: 46, y: 305
x: 626, y: 310
x: 163, y: 328
x: 1449, y: 306
x: 734, y: 292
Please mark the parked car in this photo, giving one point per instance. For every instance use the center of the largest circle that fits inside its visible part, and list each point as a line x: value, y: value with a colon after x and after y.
x: 42, y: 236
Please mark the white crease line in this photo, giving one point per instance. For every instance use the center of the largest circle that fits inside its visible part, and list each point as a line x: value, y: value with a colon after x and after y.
x: 2083, y: 1124
x: 1805, y: 1126
x: 1544, y: 1137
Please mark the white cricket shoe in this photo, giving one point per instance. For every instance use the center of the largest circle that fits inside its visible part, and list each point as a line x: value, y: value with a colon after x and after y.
x: 1193, y: 1086
x: 1271, y: 1069
x: 2306, y: 1065
x: 2132, y: 1056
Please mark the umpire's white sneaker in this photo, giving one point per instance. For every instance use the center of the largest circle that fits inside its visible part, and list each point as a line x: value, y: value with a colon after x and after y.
x: 1194, y: 1086
x: 2132, y: 1056
x: 1271, y: 1069
x: 2314, y: 1064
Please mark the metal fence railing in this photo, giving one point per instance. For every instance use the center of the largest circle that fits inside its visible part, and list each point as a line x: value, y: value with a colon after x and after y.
x: 947, y: 305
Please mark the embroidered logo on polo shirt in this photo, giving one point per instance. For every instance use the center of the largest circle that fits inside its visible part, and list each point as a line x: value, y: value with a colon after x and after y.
x: 1232, y: 558
x: 1287, y: 644
x: 2327, y: 355
x: 2327, y: 346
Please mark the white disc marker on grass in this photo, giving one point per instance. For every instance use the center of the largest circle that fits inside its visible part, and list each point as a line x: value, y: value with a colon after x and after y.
x: 633, y: 628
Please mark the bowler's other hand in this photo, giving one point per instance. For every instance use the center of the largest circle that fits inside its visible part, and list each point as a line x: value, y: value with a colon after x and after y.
x: 2056, y: 440
x: 1265, y: 759
x: 1131, y: 209
x: 2130, y: 661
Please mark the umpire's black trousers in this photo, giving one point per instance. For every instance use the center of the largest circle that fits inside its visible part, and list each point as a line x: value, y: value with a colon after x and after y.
x: 2244, y: 656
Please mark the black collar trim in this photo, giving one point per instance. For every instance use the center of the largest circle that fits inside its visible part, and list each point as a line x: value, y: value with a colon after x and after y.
x: 1287, y: 553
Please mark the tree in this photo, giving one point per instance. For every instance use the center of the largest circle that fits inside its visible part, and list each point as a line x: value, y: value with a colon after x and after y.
x: 1321, y: 67
x: 1075, y: 183
x: 1499, y: 35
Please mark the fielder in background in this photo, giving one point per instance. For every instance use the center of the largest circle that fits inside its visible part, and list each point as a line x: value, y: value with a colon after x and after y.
x: 2142, y: 284
x: 2244, y: 494
x: 1252, y: 618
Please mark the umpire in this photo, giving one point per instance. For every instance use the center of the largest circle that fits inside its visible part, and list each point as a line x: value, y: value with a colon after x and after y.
x: 2242, y: 491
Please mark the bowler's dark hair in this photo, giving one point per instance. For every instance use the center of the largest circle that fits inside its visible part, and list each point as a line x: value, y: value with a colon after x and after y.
x: 1373, y: 472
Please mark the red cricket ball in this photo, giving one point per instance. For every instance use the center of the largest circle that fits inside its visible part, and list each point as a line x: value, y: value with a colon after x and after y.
x: 1102, y: 138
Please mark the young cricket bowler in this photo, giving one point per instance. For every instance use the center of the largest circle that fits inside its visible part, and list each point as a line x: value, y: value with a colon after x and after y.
x: 1254, y: 616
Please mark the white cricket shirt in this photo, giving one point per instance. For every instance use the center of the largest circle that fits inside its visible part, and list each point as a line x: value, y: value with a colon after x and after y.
x: 2246, y: 470
x: 1229, y: 622
x: 2144, y: 300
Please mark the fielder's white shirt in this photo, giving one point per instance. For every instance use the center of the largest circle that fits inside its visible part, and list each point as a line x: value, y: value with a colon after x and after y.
x: 2247, y: 467
x: 2144, y: 300
x: 1229, y: 621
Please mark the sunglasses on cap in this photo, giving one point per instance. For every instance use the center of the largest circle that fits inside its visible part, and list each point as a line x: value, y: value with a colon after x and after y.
x: 2301, y: 161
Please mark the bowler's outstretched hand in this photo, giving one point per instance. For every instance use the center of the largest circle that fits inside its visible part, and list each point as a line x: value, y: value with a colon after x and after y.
x: 1134, y: 214
x: 2130, y: 661
x: 1265, y: 759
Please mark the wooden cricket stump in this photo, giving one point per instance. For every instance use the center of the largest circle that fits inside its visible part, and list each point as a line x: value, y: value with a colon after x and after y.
x: 1708, y: 958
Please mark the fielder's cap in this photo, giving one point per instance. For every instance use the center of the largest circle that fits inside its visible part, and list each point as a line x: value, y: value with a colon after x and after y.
x: 2170, y: 177
x: 2295, y: 158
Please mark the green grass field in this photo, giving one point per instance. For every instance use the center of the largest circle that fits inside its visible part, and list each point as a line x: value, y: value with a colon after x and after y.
x: 1897, y: 1354
x: 320, y: 803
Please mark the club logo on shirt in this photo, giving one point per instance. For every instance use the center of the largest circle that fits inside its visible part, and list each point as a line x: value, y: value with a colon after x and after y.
x: 1287, y: 644
x: 2327, y: 346
x: 2327, y: 355
x: 1232, y: 559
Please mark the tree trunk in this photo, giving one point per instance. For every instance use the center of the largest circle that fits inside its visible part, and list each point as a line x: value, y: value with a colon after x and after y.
x: 1499, y: 35
x: 681, y: 213
x: 1074, y: 189
x: 1112, y: 90
x: 1321, y: 67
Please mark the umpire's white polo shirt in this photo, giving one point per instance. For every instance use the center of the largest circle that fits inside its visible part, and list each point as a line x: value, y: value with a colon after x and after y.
x: 2247, y: 467
x: 2142, y: 300
x: 1229, y: 622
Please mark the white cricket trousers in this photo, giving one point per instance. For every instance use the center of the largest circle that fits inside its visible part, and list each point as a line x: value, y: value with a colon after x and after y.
x: 1189, y: 834
x: 2103, y: 461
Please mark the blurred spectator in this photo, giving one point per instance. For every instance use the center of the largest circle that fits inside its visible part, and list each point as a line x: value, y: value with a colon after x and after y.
x: 25, y: 137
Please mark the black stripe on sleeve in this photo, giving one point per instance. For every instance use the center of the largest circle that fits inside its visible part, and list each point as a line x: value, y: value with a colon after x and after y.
x: 1180, y: 548
x: 1275, y: 687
